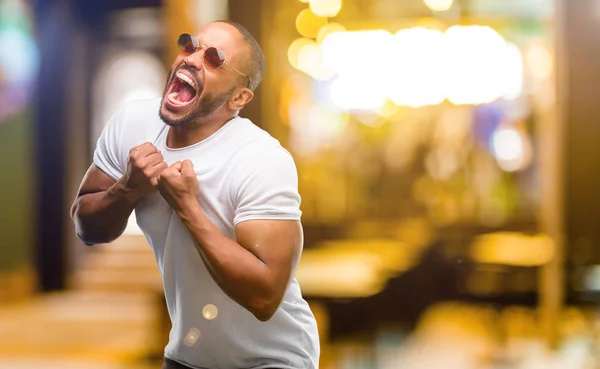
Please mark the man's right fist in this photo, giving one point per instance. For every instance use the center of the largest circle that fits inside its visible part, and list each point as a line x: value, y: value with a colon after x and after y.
x: 144, y: 164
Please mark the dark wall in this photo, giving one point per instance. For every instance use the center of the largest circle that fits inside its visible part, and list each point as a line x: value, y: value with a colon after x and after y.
x: 54, y: 26
x: 248, y: 13
x: 16, y: 192
x: 61, y: 27
x: 580, y: 35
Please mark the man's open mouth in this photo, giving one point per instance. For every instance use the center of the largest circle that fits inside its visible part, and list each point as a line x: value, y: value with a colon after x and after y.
x: 183, y: 91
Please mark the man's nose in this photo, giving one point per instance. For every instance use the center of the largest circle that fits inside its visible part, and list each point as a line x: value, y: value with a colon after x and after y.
x: 195, y: 60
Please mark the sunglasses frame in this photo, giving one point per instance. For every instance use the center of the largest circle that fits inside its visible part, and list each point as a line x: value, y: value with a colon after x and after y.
x: 186, y: 38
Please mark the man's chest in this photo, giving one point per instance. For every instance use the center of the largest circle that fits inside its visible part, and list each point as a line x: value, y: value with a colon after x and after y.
x: 156, y: 218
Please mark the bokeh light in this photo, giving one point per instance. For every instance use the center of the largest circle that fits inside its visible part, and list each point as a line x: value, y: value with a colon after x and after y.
x: 16, y: 13
x: 357, y: 93
x: 210, y: 312
x: 309, y: 58
x: 294, y: 51
x: 467, y: 65
x: 415, y: 70
x: 507, y: 144
x: 361, y: 80
x: 439, y: 5
x: 539, y: 61
x: 475, y: 57
x: 513, y: 72
x: 19, y: 57
x: 513, y: 249
x: 387, y: 110
x: 326, y: 8
x: 511, y: 148
x: 310, y: 61
x: 192, y: 337
x: 328, y: 29
x: 308, y: 23
x: 314, y: 126
x: 340, y: 51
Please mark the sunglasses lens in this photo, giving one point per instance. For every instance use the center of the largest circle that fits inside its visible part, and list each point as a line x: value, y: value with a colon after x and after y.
x: 188, y: 42
x: 214, y: 58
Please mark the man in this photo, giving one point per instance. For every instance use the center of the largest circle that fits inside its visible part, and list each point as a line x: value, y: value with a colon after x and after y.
x: 217, y: 200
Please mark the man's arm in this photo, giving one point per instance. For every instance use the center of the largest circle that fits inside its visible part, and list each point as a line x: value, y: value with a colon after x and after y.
x: 103, y: 206
x: 255, y: 270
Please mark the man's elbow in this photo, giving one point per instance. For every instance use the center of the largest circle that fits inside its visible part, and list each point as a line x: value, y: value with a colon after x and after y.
x: 90, y: 238
x: 264, y: 309
x: 84, y: 237
x: 264, y: 315
x: 93, y: 235
x: 88, y: 241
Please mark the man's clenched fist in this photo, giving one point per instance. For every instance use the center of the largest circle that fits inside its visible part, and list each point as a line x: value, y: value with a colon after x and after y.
x: 144, y: 165
x: 178, y: 185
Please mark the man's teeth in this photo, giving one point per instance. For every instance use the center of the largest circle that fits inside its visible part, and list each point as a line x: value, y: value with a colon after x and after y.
x: 182, y: 77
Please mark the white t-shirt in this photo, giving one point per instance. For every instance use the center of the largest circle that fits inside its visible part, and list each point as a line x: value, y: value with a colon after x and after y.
x: 243, y: 174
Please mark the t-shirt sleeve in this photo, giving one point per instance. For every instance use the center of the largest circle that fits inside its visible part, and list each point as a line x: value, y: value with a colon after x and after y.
x: 268, y: 187
x: 108, y: 155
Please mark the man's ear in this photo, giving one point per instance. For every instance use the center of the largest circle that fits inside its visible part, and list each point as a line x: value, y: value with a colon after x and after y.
x: 240, y: 98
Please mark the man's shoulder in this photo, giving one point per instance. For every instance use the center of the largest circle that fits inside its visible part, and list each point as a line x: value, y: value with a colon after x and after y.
x: 255, y: 141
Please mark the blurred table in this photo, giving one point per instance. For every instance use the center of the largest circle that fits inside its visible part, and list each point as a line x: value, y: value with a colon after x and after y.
x: 352, y: 268
x: 348, y: 269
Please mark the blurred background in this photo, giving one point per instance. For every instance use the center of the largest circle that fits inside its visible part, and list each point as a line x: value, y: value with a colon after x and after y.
x: 446, y: 152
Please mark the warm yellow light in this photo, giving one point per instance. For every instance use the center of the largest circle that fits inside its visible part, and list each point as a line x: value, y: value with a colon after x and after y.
x: 361, y: 82
x: 512, y: 148
x: 415, y: 69
x: 539, y: 61
x: 314, y: 126
x: 387, y: 110
x: 512, y: 72
x: 304, y: 1
x: 326, y: 8
x: 294, y: 50
x: 328, y: 29
x: 306, y: 56
x: 513, y: 249
x: 359, y: 92
x: 475, y: 57
x: 419, y: 67
x: 340, y: 51
x: 369, y: 119
x: 322, y: 74
x: 308, y: 23
x: 210, y: 312
x: 309, y: 58
x: 311, y: 62
x: 439, y: 5
x: 507, y: 144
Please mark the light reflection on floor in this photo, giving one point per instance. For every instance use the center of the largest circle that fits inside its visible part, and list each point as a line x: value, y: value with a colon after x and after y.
x: 28, y: 363
x: 66, y: 330
x: 115, y: 331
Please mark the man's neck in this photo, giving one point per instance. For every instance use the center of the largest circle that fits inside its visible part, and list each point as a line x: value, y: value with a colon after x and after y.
x: 179, y: 137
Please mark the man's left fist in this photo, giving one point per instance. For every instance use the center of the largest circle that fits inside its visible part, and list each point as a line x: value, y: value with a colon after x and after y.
x: 178, y: 185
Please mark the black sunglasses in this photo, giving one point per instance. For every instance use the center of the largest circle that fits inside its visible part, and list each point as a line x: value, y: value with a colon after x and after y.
x: 213, y: 58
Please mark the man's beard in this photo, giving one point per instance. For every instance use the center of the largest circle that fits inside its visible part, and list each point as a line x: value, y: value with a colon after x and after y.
x: 203, y: 107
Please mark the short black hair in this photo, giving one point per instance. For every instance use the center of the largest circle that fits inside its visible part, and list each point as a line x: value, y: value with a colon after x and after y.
x: 255, y: 67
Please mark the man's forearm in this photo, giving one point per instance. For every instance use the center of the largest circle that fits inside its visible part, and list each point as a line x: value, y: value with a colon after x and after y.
x: 101, y: 217
x: 239, y: 273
